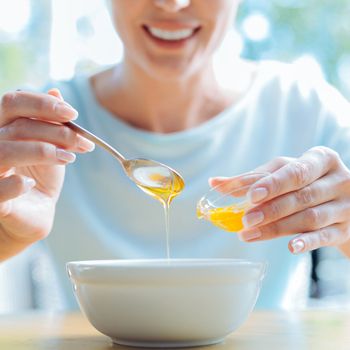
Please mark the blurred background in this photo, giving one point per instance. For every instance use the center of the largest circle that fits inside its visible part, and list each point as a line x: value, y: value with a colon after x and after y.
x: 42, y: 39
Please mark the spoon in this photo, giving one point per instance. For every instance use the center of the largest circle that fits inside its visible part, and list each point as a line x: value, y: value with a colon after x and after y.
x: 146, y: 173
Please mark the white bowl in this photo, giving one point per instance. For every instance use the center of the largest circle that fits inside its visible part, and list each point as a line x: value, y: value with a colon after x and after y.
x: 166, y: 303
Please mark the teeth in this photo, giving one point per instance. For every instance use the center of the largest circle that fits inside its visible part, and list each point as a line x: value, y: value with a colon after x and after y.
x: 171, y: 35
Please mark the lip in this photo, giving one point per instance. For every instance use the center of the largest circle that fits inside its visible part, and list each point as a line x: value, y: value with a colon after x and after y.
x: 171, y: 26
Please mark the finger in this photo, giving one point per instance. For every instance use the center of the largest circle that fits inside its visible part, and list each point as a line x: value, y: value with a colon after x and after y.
x: 269, y: 167
x: 25, y: 153
x: 318, y: 192
x: 23, y: 129
x: 307, y: 220
x: 56, y: 92
x: 297, y: 174
x: 34, y: 105
x: 333, y: 235
x: 14, y: 186
x: 236, y: 185
x: 273, y: 165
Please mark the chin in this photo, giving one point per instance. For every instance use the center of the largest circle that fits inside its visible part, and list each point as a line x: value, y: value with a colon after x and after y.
x: 171, y: 70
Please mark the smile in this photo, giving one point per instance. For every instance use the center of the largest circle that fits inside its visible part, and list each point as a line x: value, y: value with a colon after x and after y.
x: 171, y: 35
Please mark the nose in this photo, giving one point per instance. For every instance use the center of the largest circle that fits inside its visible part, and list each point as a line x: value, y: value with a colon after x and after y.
x: 172, y: 5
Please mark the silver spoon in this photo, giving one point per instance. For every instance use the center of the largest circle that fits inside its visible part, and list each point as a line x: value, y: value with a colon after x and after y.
x: 146, y: 173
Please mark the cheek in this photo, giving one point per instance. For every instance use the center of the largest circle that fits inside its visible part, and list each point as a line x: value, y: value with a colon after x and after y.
x: 219, y: 14
x: 123, y: 26
x: 226, y: 14
x: 219, y: 23
x: 124, y: 13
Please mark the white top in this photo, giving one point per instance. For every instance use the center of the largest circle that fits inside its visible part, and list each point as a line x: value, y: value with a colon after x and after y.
x: 103, y: 215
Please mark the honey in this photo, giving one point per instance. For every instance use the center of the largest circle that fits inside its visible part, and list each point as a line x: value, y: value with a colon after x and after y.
x: 226, y: 204
x: 228, y: 218
x: 165, y: 192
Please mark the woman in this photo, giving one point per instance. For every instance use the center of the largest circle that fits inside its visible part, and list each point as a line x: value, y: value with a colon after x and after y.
x: 163, y: 102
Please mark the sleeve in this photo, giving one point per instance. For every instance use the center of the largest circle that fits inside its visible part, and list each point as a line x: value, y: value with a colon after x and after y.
x: 333, y: 126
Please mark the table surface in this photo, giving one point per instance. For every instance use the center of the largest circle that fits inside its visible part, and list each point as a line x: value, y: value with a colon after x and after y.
x: 263, y: 330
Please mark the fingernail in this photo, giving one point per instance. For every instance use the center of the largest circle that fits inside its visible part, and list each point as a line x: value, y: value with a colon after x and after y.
x: 28, y: 183
x: 216, y: 178
x: 85, y: 144
x: 65, y: 109
x: 257, y: 195
x: 220, y: 178
x: 65, y: 156
x: 253, y: 218
x: 249, y: 235
x: 298, y: 246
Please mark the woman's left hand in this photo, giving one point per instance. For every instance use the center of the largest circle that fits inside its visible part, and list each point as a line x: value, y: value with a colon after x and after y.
x: 308, y: 196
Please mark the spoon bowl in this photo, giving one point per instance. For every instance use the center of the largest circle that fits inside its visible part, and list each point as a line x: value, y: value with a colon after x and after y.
x: 148, y: 174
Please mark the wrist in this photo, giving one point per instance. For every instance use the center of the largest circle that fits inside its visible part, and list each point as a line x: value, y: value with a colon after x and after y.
x: 11, y: 246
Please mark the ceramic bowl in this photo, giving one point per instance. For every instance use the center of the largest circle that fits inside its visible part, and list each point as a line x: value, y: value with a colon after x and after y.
x: 166, y: 303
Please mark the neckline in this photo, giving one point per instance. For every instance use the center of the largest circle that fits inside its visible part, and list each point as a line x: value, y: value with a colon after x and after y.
x: 198, y: 130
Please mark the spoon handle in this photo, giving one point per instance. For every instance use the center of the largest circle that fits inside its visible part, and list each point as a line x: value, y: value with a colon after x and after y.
x: 95, y: 139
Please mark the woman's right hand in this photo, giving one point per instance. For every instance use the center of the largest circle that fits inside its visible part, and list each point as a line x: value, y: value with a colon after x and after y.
x: 34, y: 149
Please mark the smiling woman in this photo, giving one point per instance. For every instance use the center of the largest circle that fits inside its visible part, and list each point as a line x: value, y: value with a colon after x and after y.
x: 164, y: 101
x: 172, y: 35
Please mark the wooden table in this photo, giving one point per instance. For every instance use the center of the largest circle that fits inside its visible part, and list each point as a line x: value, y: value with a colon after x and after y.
x: 328, y: 330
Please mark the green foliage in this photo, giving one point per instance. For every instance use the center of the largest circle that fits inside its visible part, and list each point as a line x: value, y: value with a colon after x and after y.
x: 298, y: 27
x: 11, y: 57
x: 23, y: 56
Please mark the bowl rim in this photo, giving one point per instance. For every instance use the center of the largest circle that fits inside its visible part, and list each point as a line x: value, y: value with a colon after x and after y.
x: 140, y: 270
x: 164, y: 262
